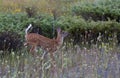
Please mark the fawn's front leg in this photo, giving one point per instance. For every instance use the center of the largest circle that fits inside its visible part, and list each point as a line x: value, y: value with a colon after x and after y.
x: 32, y: 50
x: 52, y: 59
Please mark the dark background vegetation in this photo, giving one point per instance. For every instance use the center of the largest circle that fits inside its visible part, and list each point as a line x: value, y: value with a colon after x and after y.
x: 85, y: 21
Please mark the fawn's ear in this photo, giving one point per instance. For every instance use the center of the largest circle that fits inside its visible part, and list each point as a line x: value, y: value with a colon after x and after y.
x: 58, y: 29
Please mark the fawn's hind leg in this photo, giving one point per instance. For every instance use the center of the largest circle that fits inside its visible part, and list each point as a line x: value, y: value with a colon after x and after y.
x: 52, y: 60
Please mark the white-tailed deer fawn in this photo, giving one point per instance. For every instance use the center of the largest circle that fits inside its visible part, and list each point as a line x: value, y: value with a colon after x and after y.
x: 47, y: 44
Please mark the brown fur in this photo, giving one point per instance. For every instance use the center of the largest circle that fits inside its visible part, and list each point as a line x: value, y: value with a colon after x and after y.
x: 45, y: 43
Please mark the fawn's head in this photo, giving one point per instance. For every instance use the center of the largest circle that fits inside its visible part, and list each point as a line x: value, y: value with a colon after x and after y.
x: 61, y: 35
x: 64, y: 34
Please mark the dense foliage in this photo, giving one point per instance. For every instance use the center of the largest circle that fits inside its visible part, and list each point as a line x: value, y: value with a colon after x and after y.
x: 75, y: 25
x: 98, y: 10
x: 89, y: 31
x: 18, y: 22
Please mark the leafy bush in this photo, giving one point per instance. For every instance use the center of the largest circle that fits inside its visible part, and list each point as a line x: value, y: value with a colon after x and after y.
x: 75, y: 25
x: 88, y: 31
x: 18, y: 22
x: 99, y: 10
x: 12, y: 22
x: 46, y: 23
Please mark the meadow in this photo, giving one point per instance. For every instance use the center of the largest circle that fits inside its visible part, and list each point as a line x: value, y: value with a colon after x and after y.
x: 91, y: 50
x: 72, y: 62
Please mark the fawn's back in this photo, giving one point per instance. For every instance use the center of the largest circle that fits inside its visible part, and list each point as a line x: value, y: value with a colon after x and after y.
x: 44, y: 42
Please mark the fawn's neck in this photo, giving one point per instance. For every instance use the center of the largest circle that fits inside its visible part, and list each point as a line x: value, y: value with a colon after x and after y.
x: 59, y: 40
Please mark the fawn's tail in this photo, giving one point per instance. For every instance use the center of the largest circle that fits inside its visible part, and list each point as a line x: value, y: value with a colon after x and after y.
x: 26, y: 30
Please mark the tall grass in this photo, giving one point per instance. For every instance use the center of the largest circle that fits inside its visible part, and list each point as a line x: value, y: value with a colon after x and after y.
x: 71, y: 62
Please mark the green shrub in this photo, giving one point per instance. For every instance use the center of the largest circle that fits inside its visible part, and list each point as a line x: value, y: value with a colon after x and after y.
x: 82, y: 31
x: 75, y: 25
x: 18, y: 23
x: 98, y: 10
x: 12, y: 22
